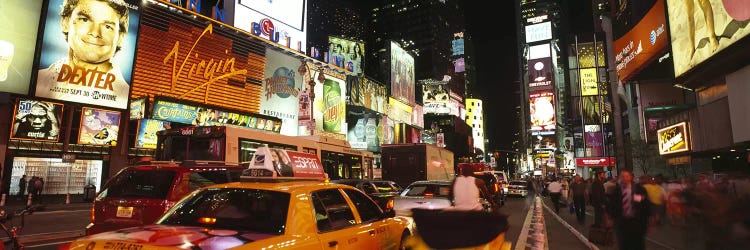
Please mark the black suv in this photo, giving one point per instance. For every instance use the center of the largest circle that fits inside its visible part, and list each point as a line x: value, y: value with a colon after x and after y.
x: 381, y: 191
x: 494, y: 185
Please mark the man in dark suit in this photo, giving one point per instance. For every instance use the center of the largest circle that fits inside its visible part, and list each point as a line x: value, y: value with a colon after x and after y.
x: 597, y: 198
x: 630, y: 209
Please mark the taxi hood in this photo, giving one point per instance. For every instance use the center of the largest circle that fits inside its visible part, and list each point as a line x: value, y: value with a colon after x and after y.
x: 164, y: 236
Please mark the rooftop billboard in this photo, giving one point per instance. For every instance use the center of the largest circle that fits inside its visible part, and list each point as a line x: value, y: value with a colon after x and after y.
x: 642, y: 43
x: 402, y: 74
x: 283, y: 22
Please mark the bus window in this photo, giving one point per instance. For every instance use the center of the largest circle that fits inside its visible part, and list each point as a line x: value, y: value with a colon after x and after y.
x: 206, y: 149
x: 174, y: 148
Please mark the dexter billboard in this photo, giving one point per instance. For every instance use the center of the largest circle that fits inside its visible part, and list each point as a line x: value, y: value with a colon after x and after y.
x: 642, y: 43
x: 673, y: 139
x: 280, y: 92
x: 542, y: 110
x: 99, y: 127
x: 20, y: 19
x: 402, y: 74
x: 282, y: 22
x: 197, y: 60
x: 77, y: 66
x: 695, y: 38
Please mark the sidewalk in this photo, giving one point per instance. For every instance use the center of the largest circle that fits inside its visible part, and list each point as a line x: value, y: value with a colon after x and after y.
x: 664, y: 236
x: 49, y: 203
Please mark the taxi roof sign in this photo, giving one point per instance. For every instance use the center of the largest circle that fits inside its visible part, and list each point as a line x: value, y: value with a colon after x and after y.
x: 279, y: 164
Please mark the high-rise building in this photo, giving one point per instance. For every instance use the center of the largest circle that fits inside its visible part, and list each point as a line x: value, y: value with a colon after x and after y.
x: 475, y: 119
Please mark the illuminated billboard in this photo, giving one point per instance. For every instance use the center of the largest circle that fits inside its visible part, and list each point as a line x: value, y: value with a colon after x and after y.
x: 399, y: 111
x: 642, y: 43
x: 594, y: 140
x: 366, y: 93
x: 280, y: 91
x: 674, y: 139
x: 99, y: 127
x: 197, y: 60
x: 540, y: 74
x: 346, y: 54
x: 147, y: 128
x: 538, y: 32
x: 138, y: 108
x: 542, y: 104
x: 173, y: 111
x: 329, y: 108
x: 36, y: 120
x: 539, y: 51
x: 695, y: 38
x: 436, y: 98
x: 363, y: 131
x: 457, y: 46
x: 589, y: 84
x: 76, y: 66
x: 282, y: 22
x: 459, y: 65
x: 16, y: 46
x: 402, y: 74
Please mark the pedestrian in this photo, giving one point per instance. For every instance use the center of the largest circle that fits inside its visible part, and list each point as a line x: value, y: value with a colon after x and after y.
x: 597, y: 198
x: 38, y: 186
x: 657, y: 196
x: 578, y: 194
x: 22, y: 186
x: 468, y: 190
x: 609, y: 186
x: 629, y: 207
x: 555, y: 190
x: 30, y: 185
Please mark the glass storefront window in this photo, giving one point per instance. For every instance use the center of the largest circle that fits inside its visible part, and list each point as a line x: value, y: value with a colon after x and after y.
x: 59, y: 177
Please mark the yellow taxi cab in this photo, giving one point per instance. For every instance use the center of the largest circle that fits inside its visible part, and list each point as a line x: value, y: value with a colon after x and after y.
x: 267, y: 210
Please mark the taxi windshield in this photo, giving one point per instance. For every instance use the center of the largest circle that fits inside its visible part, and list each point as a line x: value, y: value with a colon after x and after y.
x: 258, y: 211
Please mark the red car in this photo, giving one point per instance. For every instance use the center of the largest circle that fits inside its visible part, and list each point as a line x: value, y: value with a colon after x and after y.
x: 139, y: 195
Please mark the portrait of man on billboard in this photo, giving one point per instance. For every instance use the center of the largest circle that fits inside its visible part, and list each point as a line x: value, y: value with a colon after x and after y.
x: 36, y: 120
x: 94, y: 32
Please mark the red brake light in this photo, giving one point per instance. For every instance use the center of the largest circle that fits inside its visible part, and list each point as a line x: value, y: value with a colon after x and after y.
x: 93, y: 212
x: 429, y: 194
x: 390, y: 204
x: 496, y: 187
x: 207, y: 220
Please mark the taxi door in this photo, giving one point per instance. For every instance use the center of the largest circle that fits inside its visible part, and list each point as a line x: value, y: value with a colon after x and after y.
x: 374, y: 226
x: 336, y: 223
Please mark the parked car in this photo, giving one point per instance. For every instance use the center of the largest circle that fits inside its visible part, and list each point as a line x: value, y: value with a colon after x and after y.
x: 423, y: 194
x: 140, y: 194
x: 381, y: 191
x: 518, y: 187
x: 504, y: 180
x: 494, y: 185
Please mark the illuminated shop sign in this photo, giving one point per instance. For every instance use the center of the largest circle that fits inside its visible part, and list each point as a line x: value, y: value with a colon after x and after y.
x: 538, y: 32
x: 673, y: 139
x: 642, y: 43
x: 205, y: 116
x: 595, y: 161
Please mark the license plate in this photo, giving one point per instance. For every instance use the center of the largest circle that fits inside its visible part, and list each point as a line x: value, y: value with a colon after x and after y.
x: 125, y: 212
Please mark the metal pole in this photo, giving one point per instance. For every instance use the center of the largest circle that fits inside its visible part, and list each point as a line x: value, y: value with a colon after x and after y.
x: 612, y: 74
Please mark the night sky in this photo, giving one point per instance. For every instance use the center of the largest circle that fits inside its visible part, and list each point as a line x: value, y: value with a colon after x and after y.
x: 493, y: 29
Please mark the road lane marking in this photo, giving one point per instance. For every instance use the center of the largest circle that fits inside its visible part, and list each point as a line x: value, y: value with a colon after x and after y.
x: 575, y: 232
x: 521, y: 242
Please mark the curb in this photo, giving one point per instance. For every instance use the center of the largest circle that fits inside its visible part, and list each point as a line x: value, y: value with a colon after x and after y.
x: 575, y: 232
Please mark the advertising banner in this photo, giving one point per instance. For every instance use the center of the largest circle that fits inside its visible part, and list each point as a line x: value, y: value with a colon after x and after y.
x: 674, y: 139
x: 16, y: 44
x: 138, y: 108
x: 642, y: 43
x: 417, y: 116
x: 696, y: 38
x: 330, y: 103
x: 402, y: 74
x: 539, y: 51
x: 589, y: 84
x: 198, y: 60
x: 592, y: 112
x: 460, y: 65
x: 282, y: 22
x: 346, y: 54
x: 436, y: 98
x: 538, y: 32
x: 272, y: 162
x: 77, y: 66
x: 99, y: 127
x: 363, y: 132
x: 281, y: 87
x: 147, y: 128
x: 540, y: 74
x: 36, y: 120
x: 202, y: 116
x: 568, y: 150
x: 399, y: 111
x: 366, y: 93
x: 594, y: 140
x: 595, y: 161
x: 457, y: 47
x: 542, y: 110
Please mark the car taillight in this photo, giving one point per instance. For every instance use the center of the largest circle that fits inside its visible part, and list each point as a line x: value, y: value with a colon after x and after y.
x: 207, y: 220
x: 93, y: 212
x: 429, y: 195
x: 496, y: 187
x: 389, y: 205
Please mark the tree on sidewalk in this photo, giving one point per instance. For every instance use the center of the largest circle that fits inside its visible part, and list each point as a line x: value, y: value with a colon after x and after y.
x: 645, y: 156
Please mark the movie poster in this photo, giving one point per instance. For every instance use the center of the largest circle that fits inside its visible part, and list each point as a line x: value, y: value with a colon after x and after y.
x: 138, y: 108
x: 87, y: 51
x: 99, y: 127
x: 280, y: 92
x: 147, y: 128
x: 20, y: 19
x: 36, y: 120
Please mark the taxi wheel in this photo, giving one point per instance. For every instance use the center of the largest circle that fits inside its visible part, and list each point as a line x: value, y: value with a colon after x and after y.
x: 404, y: 238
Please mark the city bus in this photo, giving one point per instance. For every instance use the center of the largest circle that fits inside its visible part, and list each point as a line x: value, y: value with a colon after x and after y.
x: 237, y: 145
